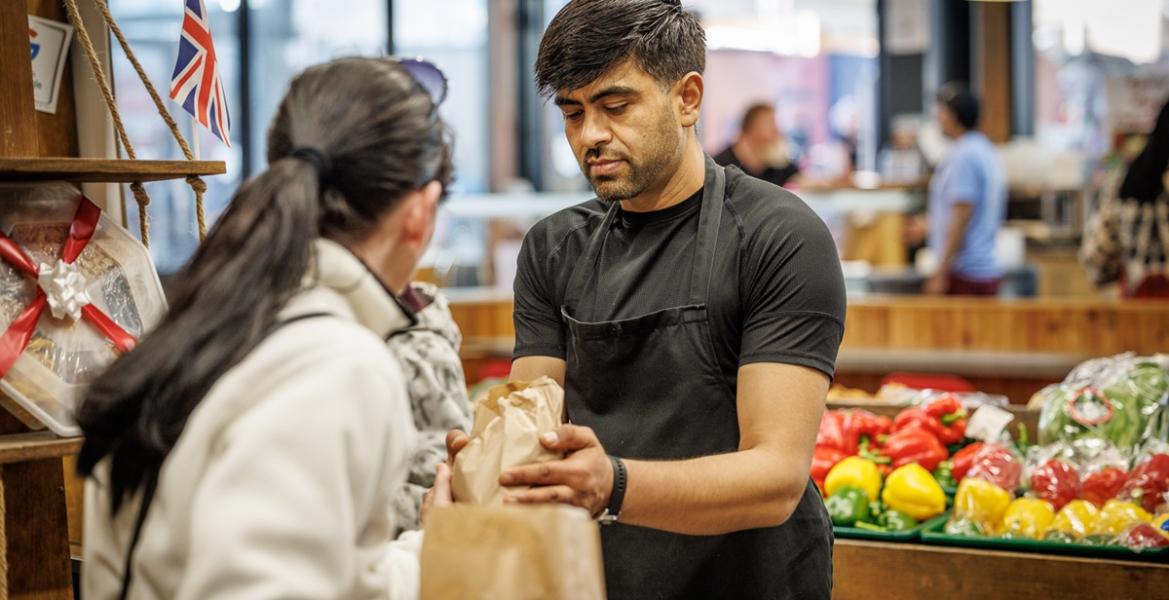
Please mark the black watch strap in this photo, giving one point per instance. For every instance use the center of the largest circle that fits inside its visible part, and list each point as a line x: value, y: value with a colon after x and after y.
x: 617, y: 496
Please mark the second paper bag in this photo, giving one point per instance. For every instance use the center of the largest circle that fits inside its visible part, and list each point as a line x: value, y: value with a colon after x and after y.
x: 506, y: 433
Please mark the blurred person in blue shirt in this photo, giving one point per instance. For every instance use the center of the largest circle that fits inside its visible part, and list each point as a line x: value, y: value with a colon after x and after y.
x: 967, y: 201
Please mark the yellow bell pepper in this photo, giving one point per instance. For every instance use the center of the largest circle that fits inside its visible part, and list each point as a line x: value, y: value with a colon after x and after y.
x: 854, y: 471
x: 1077, y: 518
x: 1028, y: 517
x: 913, y: 490
x: 981, y: 502
x: 1117, y: 516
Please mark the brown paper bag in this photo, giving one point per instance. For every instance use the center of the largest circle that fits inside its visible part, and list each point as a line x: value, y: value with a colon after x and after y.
x: 550, y: 552
x: 506, y: 433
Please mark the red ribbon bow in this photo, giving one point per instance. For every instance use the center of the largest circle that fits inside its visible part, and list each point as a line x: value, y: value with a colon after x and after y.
x: 20, y: 331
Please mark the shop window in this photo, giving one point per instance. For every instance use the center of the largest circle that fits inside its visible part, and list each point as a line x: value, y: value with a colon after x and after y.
x: 455, y: 39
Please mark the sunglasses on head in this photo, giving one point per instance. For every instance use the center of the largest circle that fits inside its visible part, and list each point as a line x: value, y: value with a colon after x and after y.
x: 428, y: 77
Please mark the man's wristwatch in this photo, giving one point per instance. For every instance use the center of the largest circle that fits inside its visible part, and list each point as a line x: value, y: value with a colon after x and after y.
x: 617, y: 496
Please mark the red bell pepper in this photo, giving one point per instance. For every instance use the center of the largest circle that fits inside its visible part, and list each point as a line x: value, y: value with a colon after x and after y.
x: 1148, y: 482
x: 823, y: 460
x: 1145, y: 536
x: 835, y: 432
x: 1104, y: 485
x: 915, y: 417
x: 914, y: 445
x: 950, y: 416
x: 949, y: 429
x: 997, y: 465
x: 963, y: 460
x: 867, y: 424
x: 1057, y: 482
x: 943, y: 405
x: 843, y: 429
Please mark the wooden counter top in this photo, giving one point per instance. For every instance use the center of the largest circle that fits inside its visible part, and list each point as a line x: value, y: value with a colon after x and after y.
x: 865, y: 570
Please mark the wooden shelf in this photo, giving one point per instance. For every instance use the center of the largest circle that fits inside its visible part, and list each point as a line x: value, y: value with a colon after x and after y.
x: 24, y: 447
x: 104, y: 170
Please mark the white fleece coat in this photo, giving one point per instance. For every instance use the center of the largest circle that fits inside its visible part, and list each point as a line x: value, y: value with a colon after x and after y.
x: 281, y: 484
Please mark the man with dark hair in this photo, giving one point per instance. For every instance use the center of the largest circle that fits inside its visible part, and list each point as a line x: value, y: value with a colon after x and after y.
x: 759, y: 149
x: 693, y: 315
x: 967, y: 201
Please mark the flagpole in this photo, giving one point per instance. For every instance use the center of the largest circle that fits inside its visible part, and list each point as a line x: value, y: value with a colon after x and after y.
x: 195, y: 137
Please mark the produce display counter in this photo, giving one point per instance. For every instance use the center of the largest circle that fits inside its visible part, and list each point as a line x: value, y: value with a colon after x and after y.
x: 865, y: 570
x: 1073, y: 328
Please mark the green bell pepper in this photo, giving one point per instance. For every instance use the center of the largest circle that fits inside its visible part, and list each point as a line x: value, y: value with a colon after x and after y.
x: 895, y: 520
x: 964, y: 527
x: 1062, y: 537
x: 847, y: 506
x: 945, y: 476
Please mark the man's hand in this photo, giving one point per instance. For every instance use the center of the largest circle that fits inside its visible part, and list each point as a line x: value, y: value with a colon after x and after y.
x: 456, y: 440
x: 584, y: 478
x: 439, y: 495
x: 937, y: 285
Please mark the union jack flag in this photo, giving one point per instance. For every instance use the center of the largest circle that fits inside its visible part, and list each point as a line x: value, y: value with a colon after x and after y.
x: 196, y: 84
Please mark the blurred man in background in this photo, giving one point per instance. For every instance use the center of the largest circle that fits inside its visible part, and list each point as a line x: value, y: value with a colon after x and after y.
x: 967, y: 200
x: 760, y: 149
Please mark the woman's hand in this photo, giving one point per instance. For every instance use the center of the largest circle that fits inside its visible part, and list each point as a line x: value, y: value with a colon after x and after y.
x: 439, y: 495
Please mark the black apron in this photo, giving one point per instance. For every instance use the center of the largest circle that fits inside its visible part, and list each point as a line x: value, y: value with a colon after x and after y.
x: 652, y: 388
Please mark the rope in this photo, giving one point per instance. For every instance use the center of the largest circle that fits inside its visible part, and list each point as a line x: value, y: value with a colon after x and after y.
x: 200, y: 188
x: 140, y: 195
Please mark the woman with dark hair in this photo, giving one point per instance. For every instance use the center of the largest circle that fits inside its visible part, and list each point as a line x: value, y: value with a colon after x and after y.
x: 251, y: 445
x: 1127, y: 241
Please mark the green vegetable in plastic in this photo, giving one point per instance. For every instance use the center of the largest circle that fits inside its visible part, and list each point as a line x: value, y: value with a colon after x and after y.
x: 848, y: 506
x: 895, y: 520
x: 963, y: 527
x: 1126, y: 409
x: 1097, y: 540
x: 1061, y: 537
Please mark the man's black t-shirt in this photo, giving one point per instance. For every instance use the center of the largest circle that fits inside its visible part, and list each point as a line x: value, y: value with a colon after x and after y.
x: 777, y: 294
x: 776, y: 175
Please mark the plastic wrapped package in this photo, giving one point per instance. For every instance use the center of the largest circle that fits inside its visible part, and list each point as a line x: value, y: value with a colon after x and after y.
x: 1119, y: 399
x: 979, y: 506
x: 1027, y: 518
x: 1148, y: 482
x: 1103, y: 473
x: 1056, y: 480
x: 997, y: 464
x: 1074, y: 522
x: 1118, y: 516
x: 110, y: 283
x: 1143, y: 536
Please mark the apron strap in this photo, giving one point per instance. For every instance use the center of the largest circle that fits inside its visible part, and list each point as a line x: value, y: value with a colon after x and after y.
x: 709, y: 222
x: 586, y: 267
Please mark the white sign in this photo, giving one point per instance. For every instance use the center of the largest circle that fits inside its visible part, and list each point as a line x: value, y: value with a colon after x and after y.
x: 49, y: 41
x: 1134, y: 100
x: 988, y: 423
x: 908, y: 31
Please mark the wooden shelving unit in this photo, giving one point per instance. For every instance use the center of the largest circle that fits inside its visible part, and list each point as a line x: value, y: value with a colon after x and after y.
x: 40, y: 500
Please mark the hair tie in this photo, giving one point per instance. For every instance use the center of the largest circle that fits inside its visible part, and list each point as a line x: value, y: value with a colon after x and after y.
x: 319, y: 160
